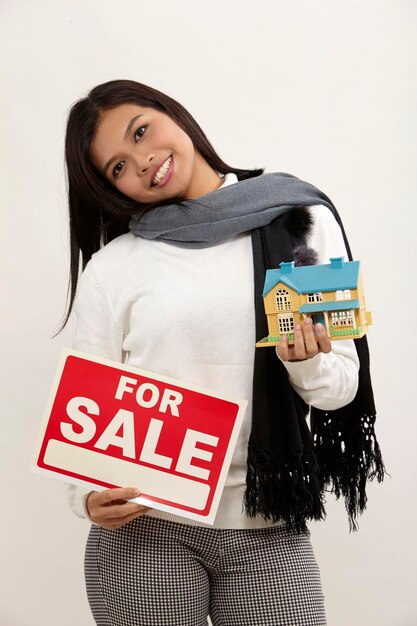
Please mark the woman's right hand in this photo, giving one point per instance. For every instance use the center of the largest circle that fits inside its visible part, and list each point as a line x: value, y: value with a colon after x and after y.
x: 109, y: 509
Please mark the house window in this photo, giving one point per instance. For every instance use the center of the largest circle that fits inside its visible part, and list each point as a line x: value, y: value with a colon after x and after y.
x: 343, y: 294
x: 283, y: 300
x: 315, y: 297
x: 286, y: 323
x: 342, y: 318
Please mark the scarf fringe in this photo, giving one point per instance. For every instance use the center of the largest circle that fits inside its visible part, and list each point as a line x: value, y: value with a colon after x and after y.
x: 348, y: 461
x: 283, y: 489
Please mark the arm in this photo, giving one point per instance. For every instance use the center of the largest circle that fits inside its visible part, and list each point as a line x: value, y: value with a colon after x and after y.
x: 97, y: 329
x: 98, y: 332
x: 326, y: 376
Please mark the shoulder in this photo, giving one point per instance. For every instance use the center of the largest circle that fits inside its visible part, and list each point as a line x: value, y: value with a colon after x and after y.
x: 326, y: 236
x: 103, y: 271
x: 322, y: 218
x: 119, y: 246
x: 115, y: 254
x: 321, y: 214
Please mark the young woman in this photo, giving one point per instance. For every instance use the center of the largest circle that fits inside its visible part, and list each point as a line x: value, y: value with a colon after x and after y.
x: 174, y: 244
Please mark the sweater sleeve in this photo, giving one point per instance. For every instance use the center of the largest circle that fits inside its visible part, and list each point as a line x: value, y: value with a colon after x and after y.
x: 327, y: 381
x: 98, y: 333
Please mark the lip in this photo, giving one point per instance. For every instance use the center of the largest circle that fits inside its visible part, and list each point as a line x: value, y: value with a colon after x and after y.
x: 167, y: 175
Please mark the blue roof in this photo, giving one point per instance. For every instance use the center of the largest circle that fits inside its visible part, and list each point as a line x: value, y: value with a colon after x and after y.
x: 342, y: 305
x: 338, y: 274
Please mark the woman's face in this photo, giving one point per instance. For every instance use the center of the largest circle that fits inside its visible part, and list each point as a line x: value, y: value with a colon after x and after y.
x: 147, y: 156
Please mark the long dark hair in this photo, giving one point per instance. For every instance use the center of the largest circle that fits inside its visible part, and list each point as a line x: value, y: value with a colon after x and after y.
x: 98, y: 212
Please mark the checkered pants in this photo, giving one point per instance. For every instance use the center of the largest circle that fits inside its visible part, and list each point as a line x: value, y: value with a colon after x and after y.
x: 153, y: 572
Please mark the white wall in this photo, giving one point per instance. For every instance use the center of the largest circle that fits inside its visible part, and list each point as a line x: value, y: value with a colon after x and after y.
x: 323, y: 89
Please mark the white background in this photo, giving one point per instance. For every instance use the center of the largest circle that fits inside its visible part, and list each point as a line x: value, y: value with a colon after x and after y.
x: 323, y: 89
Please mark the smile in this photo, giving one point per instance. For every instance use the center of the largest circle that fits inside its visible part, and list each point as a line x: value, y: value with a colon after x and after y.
x: 161, y: 174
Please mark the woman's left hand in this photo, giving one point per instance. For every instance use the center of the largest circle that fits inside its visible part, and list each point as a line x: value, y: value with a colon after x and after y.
x: 306, y: 343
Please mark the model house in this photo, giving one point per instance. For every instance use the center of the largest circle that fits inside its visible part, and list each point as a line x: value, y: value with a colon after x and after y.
x: 331, y: 294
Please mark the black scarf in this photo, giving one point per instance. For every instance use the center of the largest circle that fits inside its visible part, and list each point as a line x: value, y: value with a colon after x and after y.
x: 289, y: 466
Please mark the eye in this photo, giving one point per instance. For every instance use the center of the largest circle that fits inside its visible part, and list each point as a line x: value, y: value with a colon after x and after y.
x: 139, y: 132
x: 118, y: 168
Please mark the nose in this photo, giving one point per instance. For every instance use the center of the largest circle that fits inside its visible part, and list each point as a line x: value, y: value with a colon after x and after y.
x: 143, y: 162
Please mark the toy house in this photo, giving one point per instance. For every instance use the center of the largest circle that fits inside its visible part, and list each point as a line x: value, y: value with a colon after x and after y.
x: 331, y: 294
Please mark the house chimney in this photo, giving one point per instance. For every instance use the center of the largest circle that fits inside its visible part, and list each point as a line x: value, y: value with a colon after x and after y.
x: 287, y: 268
x: 337, y: 262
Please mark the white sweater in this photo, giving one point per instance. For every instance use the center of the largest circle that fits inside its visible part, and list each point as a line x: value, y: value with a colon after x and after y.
x: 189, y: 314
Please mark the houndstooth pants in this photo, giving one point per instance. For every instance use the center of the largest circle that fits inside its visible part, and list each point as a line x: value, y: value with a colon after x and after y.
x: 153, y: 572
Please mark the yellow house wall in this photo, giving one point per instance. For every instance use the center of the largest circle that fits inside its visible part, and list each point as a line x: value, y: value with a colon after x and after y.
x: 364, y: 316
x: 270, y: 303
x: 329, y: 296
x: 270, y: 300
x: 297, y: 300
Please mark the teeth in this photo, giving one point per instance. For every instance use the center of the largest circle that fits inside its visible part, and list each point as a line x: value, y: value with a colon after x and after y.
x: 162, y: 171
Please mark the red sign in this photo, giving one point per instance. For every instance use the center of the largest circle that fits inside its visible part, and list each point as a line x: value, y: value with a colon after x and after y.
x: 110, y: 425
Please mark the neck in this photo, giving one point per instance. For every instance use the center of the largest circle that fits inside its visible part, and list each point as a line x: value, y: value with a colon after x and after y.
x: 205, y: 180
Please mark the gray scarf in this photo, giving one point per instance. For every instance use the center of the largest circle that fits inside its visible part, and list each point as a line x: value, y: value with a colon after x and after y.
x: 226, y: 212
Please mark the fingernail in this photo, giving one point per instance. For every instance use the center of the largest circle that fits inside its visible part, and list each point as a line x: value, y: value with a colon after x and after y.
x: 307, y: 320
x: 298, y: 327
x: 136, y: 492
x: 319, y: 326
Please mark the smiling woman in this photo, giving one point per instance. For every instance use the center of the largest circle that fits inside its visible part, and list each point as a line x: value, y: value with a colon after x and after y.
x: 151, y: 158
x: 173, y: 244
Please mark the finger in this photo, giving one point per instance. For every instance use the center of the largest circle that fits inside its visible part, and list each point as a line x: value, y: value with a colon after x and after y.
x: 118, y: 493
x: 324, y: 342
x: 116, y: 512
x: 114, y: 524
x: 310, y: 340
x: 299, y: 345
x: 98, y: 500
x: 282, y: 349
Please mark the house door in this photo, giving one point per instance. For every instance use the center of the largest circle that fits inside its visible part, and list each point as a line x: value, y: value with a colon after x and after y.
x: 318, y: 318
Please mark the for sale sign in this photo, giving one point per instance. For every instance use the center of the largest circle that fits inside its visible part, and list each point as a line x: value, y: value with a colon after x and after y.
x: 109, y: 425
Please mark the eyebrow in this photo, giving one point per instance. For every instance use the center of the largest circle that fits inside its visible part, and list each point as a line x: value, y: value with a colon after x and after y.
x: 125, y: 136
